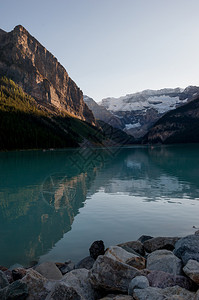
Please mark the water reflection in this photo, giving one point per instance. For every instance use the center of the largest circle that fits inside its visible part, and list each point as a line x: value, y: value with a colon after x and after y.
x: 41, y: 193
x: 161, y: 172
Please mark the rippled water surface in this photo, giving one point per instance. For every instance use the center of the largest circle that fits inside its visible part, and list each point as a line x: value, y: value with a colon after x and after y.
x: 54, y: 204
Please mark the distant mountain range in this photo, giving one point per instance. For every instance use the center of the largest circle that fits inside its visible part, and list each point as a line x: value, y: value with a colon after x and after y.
x: 42, y: 107
x: 137, y: 113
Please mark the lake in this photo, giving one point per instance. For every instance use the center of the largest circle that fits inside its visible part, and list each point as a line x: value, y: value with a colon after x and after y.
x: 54, y: 204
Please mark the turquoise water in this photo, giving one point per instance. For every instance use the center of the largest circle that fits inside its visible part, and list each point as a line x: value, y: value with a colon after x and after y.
x: 54, y: 204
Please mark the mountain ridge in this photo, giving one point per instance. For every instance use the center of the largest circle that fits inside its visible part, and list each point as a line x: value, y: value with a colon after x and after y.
x: 177, y: 126
x: 139, y: 111
x: 38, y: 72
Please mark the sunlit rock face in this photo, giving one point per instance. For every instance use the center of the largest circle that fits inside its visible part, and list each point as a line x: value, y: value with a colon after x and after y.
x: 32, y: 66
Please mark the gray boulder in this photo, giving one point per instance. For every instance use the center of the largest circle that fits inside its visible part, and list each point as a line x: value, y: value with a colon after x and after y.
x: 187, y: 248
x: 63, y: 292
x: 192, y: 270
x: 38, y: 286
x: 187, y: 256
x: 49, y: 270
x: 79, y: 281
x: 164, y: 260
x: 134, y: 247
x: 119, y: 254
x: 177, y: 292
x: 16, y: 290
x: 150, y: 293
x: 139, y: 282
x: 162, y: 280
x: 112, y: 275
x: 159, y: 243
x: 85, y: 263
x: 3, y: 280
x: 170, y: 293
x: 144, y: 238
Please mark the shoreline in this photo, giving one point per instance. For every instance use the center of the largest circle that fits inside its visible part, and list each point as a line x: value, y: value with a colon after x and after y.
x: 148, y: 268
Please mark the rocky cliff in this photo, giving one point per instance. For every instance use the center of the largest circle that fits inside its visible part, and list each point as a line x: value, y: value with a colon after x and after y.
x: 178, y: 126
x: 25, y: 124
x: 101, y: 113
x: 37, y: 71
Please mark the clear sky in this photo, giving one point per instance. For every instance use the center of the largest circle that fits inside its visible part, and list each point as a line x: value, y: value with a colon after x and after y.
x: 115, y: 47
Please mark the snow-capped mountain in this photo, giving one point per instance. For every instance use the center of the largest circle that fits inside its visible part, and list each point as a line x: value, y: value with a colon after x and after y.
x: 161, y: 100
x: 139, y: 111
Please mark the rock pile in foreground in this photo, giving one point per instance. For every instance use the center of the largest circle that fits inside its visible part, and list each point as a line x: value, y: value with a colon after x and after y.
x: 161, y: 268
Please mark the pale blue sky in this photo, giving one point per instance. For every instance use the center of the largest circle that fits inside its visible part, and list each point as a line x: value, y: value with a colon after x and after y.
x: 115, y: 47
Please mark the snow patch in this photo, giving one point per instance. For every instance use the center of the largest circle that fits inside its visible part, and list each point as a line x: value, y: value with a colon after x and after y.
x: 160, y: 103
x: 130, y: 126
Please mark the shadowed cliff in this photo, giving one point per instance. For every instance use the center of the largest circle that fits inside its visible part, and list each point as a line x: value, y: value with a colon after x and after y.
x: 178, y: 126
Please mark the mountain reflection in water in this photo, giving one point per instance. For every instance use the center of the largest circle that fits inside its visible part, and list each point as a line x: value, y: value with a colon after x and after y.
x: 41, y: 194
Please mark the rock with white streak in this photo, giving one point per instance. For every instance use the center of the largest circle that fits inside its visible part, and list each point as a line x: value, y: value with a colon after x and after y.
x: 121, y: 255
x: 111, y: 275
x: 192, y: 270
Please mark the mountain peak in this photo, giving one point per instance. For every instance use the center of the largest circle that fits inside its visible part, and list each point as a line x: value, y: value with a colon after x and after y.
x: 38, y: 72
x: 20, y: 28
